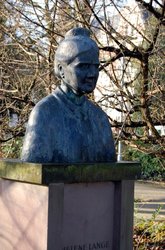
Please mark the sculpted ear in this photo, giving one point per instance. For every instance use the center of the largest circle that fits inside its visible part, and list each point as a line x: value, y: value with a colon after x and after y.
x: 61, y: 71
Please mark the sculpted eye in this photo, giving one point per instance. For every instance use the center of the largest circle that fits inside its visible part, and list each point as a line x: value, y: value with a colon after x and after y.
x: 86, y: 66
x: 83, y: 66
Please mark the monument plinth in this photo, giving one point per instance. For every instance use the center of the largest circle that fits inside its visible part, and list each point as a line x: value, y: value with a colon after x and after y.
x: 67, y: 207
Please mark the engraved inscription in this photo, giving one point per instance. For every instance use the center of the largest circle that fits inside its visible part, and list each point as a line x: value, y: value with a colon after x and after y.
x: 90, y: 246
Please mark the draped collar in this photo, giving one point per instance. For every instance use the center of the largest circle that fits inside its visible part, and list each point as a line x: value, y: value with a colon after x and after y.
x: 78, y: 105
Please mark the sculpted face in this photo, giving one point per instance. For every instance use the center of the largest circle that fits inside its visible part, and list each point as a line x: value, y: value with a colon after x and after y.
x: 82, y: 73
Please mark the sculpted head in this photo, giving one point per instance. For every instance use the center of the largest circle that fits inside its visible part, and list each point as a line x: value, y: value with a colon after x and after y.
x: 77, y: 61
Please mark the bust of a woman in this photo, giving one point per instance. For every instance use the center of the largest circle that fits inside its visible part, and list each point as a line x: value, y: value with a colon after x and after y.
x: 66, y: 127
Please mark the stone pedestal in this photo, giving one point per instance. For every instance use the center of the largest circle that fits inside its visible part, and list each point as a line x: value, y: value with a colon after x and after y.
x: 76, y: 207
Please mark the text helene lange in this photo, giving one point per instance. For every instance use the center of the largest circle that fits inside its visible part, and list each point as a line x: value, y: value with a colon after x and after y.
x: 90, y: 246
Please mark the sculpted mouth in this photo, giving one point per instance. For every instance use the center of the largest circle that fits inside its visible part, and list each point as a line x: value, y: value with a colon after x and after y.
x: 90, y: 80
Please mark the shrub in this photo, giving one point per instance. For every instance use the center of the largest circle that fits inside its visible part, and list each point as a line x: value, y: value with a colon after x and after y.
x: 153, y: 168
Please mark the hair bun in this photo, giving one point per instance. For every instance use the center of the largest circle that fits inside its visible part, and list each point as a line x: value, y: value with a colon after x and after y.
x: 77, y: 32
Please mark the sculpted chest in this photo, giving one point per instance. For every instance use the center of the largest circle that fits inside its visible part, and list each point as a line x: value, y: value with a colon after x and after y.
x: 75, y: 138
x: 60, y: 131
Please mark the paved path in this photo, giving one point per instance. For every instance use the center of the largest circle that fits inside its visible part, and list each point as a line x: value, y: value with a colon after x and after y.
x: 149, y: 197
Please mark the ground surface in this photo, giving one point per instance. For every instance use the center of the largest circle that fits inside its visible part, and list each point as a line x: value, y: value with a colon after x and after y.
x: 149, y: 197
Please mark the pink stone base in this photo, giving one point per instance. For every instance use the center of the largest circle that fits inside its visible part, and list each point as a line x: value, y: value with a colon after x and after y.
x: 23, y: 216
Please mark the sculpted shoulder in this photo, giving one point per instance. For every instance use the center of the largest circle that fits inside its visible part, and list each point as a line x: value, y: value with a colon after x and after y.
x: 45, y: 107
x: 46, y: 103
x: 40, y: 114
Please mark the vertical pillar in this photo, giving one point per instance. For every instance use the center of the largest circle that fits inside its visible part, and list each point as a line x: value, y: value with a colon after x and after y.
x: 123, y: 215
x: 55, y: 216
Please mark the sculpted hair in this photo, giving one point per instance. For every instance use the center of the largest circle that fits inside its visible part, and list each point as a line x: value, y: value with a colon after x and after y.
x: 77, y: 41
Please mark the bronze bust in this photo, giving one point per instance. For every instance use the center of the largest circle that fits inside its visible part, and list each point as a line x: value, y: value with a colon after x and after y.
x: 66, y: 127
